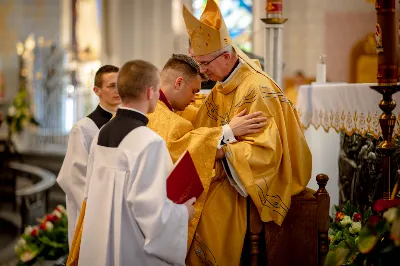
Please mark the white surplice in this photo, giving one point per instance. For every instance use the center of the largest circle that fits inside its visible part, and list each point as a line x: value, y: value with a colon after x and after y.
x: 129, y: 220
x: 72, y: 175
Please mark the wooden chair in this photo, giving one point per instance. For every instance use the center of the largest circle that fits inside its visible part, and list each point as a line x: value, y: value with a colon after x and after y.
x: 301, y: 240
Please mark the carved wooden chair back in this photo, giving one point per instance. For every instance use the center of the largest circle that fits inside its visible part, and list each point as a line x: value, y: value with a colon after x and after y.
x: 301, y: 240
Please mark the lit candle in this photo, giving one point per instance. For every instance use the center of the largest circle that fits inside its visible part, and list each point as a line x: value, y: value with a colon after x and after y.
x: 274, y: 8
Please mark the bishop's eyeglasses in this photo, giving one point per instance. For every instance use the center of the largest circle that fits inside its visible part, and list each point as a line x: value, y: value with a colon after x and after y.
x: 205, y: 64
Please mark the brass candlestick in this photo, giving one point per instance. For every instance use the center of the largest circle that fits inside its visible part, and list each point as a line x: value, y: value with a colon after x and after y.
x: 386, y: 45
x: 273, y: 9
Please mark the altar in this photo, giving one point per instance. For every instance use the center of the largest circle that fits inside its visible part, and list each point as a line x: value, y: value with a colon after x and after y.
x: 341, y: 123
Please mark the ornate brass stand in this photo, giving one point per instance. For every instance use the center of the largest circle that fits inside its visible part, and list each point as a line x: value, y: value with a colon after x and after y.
x: 387, y: 122
x: 387, y: 76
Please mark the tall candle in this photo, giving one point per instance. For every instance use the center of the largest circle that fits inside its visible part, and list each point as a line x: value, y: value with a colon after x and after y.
x: 274, y: 8
x: 386, y: 43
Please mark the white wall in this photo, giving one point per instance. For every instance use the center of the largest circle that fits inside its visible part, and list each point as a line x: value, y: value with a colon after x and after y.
x: 154, y: 29
x: 316, y: 27
x: 18, y: 19
x: 139, y: 29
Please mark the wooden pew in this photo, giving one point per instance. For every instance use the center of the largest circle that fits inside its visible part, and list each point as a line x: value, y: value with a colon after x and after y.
x: 301, y: 240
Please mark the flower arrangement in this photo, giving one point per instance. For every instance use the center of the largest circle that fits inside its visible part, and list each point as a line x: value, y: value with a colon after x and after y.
x: 46, y: 241
x: 345, y: 228
x: 378, y: 242
x: 19, y: 114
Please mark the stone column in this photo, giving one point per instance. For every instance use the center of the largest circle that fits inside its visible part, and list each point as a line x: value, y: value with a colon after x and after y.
x: 273, y: 59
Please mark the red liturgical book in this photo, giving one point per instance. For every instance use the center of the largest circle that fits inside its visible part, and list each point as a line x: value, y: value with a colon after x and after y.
x: 183, y: 182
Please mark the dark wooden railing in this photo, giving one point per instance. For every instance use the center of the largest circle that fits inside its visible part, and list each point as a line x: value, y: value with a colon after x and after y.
x: 37, y: 193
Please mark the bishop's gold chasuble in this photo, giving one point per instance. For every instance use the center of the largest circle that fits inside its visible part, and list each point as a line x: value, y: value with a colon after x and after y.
x: 189, y: 113
x: 272, y: 166
x: 179, y: 135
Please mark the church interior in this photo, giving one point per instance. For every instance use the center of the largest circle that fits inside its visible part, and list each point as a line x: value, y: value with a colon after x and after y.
x: 336, y: 62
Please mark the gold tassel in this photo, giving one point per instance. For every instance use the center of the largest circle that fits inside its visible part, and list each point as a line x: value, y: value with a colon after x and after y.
x: 73, y: 256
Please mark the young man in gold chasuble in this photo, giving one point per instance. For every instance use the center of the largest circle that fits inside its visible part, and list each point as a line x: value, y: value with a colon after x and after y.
x: 180, y: 81
x: 270, y: 166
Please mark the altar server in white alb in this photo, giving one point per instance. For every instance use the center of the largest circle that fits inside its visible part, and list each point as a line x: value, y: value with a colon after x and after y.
x: 73, y: 171
x: 129, y: 220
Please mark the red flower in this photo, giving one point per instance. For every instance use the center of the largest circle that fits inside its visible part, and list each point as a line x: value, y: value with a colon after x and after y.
x: 42, y: 226
x: 55, y: 218
x: 357, y: 217
x: 382, y: 204
x: 52, y: 218
x: 35, y: 232
x: 339, y: 216
x: 49, y: 217
x: 374, y: 220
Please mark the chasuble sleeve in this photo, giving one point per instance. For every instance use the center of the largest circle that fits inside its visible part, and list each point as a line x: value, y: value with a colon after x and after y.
x: 163, y: 223
x: 202, y: 143
x: 189, y: 113
x: 72, y: 176
x: 269, y: 165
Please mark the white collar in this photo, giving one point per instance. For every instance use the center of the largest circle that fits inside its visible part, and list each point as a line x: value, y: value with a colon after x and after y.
x: 223, y: 83
x: 131, y: 109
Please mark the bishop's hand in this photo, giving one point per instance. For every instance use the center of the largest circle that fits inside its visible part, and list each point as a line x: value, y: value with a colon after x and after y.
x: 190, y: 207
x: 242, y: 124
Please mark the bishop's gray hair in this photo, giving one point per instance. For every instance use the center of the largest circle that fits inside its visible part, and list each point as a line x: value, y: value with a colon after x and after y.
x: 226, y: 49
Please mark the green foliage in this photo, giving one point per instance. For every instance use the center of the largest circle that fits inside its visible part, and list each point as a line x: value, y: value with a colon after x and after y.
x: 344, y: 235
x: 19, y: 114
x: 366, y: 215
x: 349, y: 209
x: 45, y: 241
x: 377, y: 243
x: 367, y: 240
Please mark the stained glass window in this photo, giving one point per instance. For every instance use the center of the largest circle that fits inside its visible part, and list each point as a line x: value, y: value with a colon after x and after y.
x: 238, y: 16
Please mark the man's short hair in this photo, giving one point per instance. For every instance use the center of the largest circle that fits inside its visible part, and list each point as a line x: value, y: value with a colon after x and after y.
x: 185, y: 65
x: 135, y: 77
x: 98, y: 78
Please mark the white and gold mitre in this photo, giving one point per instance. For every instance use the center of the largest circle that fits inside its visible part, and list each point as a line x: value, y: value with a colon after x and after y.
x: 209, y: 34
